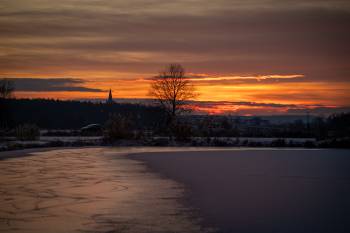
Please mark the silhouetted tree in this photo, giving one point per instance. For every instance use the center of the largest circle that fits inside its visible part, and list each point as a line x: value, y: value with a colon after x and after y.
x: 27, y: 132
x: 339, y: 125
x: 172, y: 90
x: 6, y: 88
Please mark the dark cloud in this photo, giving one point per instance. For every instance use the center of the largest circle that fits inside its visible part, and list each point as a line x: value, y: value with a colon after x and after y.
x: 257, y: 37
x: 269, y: 108
x: 320, y: 110
x: 241, y: 103
x: 51, y: 84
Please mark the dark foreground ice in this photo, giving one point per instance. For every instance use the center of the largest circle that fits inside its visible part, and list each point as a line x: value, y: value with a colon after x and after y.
x: 231, y: 190
x: 88, y: 190
x: 264, y: 190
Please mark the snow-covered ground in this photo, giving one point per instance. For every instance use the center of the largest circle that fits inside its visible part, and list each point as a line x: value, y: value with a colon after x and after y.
x: 13, y: 143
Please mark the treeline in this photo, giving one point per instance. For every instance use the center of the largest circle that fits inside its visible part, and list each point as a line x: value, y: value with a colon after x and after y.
x: 334, y: 126
x: 57, y: 114
x: 122, y: 119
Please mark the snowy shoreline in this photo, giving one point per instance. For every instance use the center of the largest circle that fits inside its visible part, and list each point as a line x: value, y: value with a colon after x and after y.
x: 8, y: 144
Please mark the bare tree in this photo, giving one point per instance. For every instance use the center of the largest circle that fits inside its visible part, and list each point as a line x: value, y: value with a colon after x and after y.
x: 172, y: 90
x: 6, y: 88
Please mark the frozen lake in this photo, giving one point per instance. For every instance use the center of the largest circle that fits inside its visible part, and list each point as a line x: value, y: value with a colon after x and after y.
x: 88, y: 190
x: 164, y: 190
x: 263, y: 190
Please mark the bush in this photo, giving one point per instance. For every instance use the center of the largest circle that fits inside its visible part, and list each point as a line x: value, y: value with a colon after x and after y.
x: 27, y: 132
x: 2, y: 133
x: 160, y: 142
x: 182, y: 131
x: 309, y: 144
x: 61, y: 133
x: 220, y: 142
x: 278, y: 143
x: 118, y: 127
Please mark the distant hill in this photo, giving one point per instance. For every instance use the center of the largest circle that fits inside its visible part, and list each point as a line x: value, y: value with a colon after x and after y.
x: 281, y: 119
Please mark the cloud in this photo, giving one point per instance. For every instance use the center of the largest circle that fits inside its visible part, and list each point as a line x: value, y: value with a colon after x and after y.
x: 203, y: 79
x: 232, y: 41
x: 207, y: 79
x: 309, y: 37
x: 320, y: 110
x: 241, y: 103
x: 256, y: 108
x: 51, y: 85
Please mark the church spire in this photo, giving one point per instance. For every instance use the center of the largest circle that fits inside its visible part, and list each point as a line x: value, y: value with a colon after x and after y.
x: 110, y: 98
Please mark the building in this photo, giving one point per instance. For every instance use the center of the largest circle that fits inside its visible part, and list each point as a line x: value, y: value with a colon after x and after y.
x: 110, y: 98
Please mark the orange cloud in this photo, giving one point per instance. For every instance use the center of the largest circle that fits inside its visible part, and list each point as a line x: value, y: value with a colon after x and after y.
x: 296, y: 92
x: 207, y: 77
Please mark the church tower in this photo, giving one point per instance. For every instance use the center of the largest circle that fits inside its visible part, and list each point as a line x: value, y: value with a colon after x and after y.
x: 110, y: 98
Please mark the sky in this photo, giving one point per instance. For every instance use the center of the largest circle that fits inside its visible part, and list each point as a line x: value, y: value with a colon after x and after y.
x: 244, y: 57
